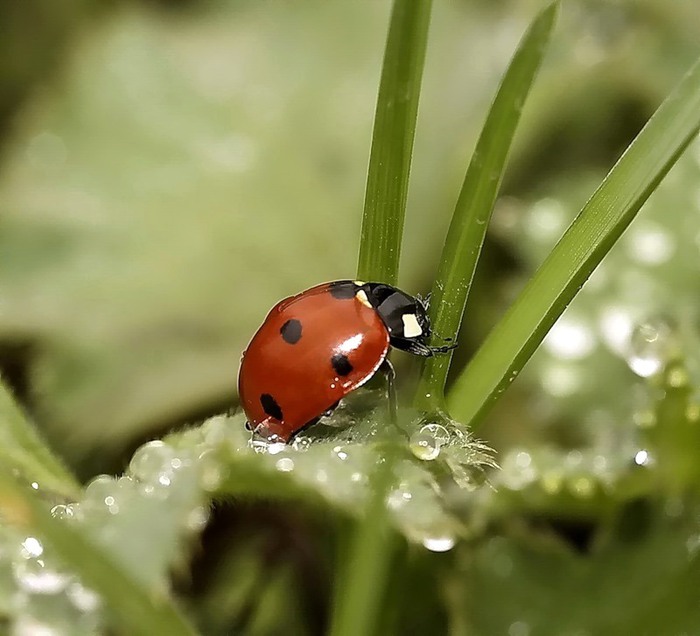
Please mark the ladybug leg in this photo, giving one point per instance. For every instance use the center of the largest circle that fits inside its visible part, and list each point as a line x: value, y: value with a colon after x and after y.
x: 329, y: 411
x: 387, y: 370
x: 418, y: 348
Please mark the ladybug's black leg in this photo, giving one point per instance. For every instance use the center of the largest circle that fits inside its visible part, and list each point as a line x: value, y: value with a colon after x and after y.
x: 387, y: 370
x: 418, y: 348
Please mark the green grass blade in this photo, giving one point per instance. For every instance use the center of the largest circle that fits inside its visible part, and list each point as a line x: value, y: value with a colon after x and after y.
x: 475, y: 204
x: 360, y: 592
x: 594, y: 231
x: 23, y: 450
x: 392, y: 141
x: 140, y: 611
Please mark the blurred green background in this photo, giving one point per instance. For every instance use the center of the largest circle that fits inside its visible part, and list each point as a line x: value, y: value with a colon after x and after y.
x: 169, y: 170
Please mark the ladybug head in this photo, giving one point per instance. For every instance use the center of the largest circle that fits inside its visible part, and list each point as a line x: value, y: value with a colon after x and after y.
x: 404, y: 316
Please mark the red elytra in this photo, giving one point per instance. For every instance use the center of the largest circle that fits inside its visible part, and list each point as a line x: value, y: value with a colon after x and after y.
x: 316, y: 347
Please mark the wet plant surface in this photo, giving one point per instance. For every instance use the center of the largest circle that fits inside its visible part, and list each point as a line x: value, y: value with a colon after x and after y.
x: 157, y: 199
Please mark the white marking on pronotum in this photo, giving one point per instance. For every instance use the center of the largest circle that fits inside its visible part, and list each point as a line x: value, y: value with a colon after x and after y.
x: 362, y: 297
x: 359, y: 283
x: 411, y: 328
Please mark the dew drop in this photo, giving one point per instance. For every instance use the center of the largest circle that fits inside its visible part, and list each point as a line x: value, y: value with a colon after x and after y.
x: 301, y: 443
x: 151, y: 462
x: 642, y: 457
x: 340, y: 453
x: 438, y: 431
x: 275, y: 448
x: 424, y: 445
x: 31, y: 547
x: 62, y: 512
x: 285, y: 464
x: 650, y: 346
x: 439, y: 544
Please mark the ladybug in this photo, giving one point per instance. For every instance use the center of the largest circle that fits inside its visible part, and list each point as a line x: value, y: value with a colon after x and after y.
x: 316, y: 347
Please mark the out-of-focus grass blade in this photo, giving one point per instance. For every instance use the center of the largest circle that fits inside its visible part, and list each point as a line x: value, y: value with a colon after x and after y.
x: 22, y: 449
x: 140, y: 611
x: 594, y: 231
x: 475, y: 204
x: 392, y: 141
x: 361, y: 589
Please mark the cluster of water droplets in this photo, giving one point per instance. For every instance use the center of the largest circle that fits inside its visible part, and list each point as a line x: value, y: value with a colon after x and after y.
x: 141, y: 519
x: 338, y: 467
x: 38, y: 595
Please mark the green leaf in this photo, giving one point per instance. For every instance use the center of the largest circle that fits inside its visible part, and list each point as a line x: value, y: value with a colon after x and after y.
x: 475, y: 204
x: 22, y: 449
x: 392, y: 141
x: 139, y: 610
x: 640, y: 584
x: 594, y: 231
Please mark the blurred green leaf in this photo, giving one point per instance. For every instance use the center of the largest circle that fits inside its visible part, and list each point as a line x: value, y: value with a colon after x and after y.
x: 524, y: 585
x: 593, y: 233
x: 22, y: 450
x: 138, y: 609
x: 475, y: 204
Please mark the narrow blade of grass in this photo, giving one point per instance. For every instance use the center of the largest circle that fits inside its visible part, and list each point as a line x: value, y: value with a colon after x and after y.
x: 23, y: 450
x: 392, y: 141
x: 360, y: 591
x: 475, y: 204
x: 139, y: 611
x: 594, y: 231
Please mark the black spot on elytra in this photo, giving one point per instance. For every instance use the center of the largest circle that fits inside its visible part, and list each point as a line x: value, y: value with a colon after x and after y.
x: 271, y: 407
x: 291, y: 331
x: 343, y: 289
x: 341, y: 364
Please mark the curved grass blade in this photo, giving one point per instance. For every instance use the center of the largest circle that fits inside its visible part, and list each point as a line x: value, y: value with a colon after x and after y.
x: 392, y: 141
x: 23, y: 450
x: 594, y: 231
x: 472, y: 213
x: 139, y: 611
